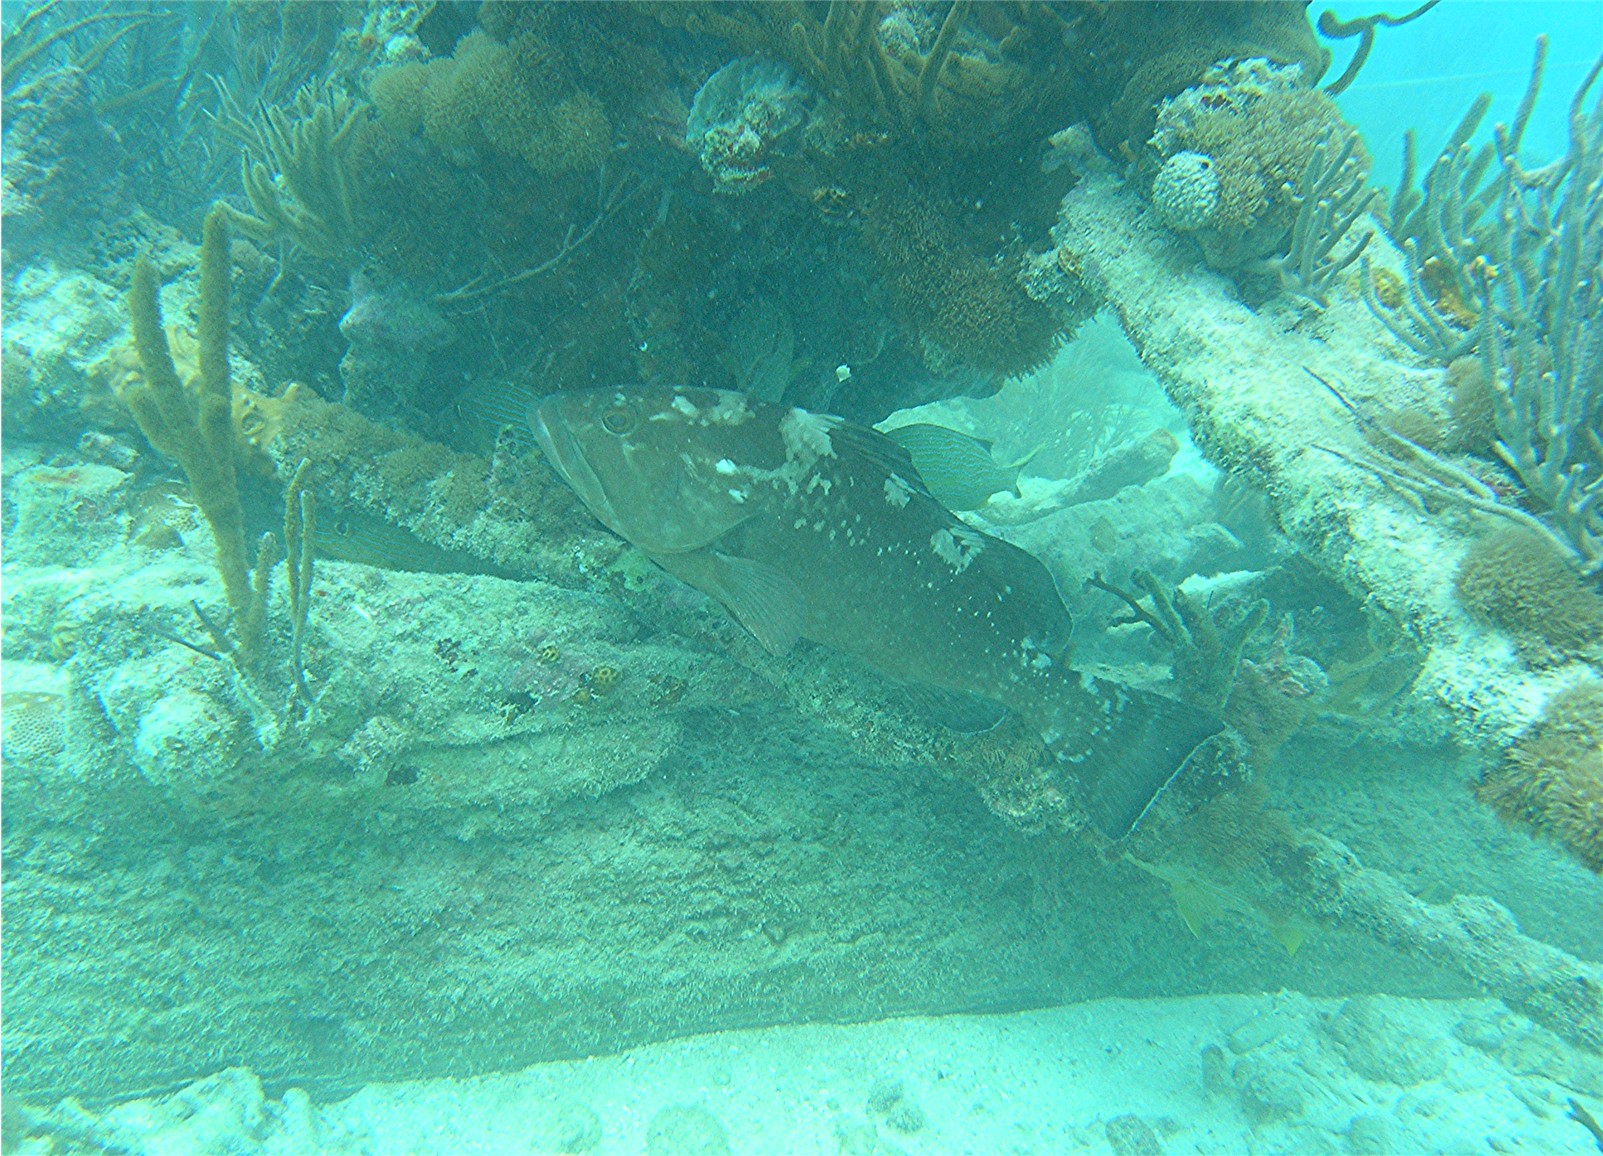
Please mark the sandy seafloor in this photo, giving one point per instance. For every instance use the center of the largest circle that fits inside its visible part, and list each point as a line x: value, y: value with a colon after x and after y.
x: 1216, y: 1074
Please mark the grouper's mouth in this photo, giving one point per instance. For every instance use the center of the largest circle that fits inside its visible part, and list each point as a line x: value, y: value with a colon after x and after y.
x: 562, y: 450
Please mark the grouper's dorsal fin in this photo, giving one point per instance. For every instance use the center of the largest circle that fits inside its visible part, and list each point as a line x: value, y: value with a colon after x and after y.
x: 762, y: 598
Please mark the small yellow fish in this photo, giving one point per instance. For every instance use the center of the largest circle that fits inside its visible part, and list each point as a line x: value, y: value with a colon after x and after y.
x: 957, y: 468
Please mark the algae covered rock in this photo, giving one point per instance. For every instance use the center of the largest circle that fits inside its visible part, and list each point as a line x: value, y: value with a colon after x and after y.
x: 686, y: 1130
x: 1379, y: 1046
x: 740, y: 116
x: 185, y: 739
x: 67, y: 516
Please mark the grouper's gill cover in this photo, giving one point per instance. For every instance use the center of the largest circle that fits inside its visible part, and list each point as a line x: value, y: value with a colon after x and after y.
x: 806, y: 526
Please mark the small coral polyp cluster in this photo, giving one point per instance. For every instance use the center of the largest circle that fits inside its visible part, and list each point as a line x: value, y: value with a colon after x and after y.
x: 512, y: 98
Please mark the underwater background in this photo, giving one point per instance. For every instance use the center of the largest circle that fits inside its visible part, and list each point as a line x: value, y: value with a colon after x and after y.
x: 365, y: 793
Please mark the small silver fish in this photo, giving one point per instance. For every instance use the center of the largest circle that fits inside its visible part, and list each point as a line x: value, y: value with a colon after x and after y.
x: 806, y: 526
x: 957, y: 468
x: 354, y: 536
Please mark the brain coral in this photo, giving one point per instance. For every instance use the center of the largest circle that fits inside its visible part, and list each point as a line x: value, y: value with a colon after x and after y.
x: 1186, y: 191
x: 1517, y: 581
x: 1551, y: 780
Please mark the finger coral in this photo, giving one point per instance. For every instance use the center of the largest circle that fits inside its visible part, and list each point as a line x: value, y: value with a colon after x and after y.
x: 1551, y: 780
x: 515, y: 99
x: 195, y: 424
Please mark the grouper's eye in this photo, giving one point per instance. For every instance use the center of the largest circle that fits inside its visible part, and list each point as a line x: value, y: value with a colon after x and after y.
x: 620, y: 420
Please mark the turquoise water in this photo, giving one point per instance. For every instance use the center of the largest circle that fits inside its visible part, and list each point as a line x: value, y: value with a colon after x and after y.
x: 478, y: 678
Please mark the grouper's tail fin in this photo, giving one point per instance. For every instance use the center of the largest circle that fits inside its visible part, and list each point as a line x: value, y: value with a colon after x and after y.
x: 1128, y: 747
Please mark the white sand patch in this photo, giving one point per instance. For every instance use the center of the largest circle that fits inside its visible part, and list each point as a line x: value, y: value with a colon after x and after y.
x: 1043, y: 1081
x: 1209, y: 1074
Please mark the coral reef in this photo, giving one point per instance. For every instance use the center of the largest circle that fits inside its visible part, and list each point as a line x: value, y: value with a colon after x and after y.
x: 1264, y: 134
x: 852, y: 206
x: 1551, y: 780
x: 34, y: 726
x: 1255, y: 412
x: 958, y: 81
x: 1514, y: 579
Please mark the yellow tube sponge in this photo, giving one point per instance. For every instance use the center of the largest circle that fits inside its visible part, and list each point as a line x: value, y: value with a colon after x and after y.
x: 194, y: 423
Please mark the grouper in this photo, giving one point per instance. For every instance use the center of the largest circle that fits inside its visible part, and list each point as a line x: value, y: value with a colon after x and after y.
x: 806, y: 526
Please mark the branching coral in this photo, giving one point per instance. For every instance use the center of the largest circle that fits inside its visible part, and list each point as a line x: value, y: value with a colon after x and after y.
x: 1509, y: 263
x: 1551, y: 780
x: 1207, y: 643
x: 1443, y: 230
x: 297, y: 171
x: 1330, y: 197
x: 195, y: 426
x: 1542, y: 328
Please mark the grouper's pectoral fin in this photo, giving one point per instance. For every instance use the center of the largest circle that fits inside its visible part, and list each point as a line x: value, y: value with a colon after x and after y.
x: 966, y: 714
x: 762, y: 598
